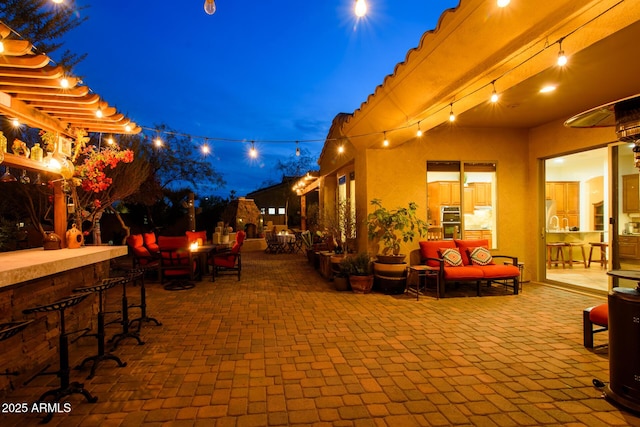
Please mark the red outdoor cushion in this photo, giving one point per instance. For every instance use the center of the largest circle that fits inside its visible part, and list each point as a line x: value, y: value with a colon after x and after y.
x: 466, y: 245
x: 228, y: 261
x: 240, y: 236
x: 430, y: 248
x: 600, y: 315
x: 142, y: 253
x: 193, y: 236
x: 173, y: 242
x: 150, y: 242
x: 462, y: 273
x: 135, y: 241
x: 500, y: 271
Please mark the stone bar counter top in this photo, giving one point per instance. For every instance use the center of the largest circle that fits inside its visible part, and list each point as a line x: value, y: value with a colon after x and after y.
x: 29, y: 264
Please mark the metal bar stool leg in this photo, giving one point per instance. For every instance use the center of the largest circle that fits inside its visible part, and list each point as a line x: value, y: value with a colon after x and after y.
x: 100, y: 335
x: 126, y: 333
x: 139, y: 275
x: 66, y: 386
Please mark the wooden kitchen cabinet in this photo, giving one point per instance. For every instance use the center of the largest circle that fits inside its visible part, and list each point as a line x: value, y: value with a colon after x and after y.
x: 566, y: 194
x: 468, y: 200
x: 482, y: 194
x: 628, y: 247
x: 444, y: 193
x: 630, y: 193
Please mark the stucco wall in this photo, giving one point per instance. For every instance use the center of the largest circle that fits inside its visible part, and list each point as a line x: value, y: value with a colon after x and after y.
x: 398, y: 176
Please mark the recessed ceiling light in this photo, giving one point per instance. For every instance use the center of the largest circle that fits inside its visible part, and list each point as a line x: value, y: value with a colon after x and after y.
x: 547, y: 89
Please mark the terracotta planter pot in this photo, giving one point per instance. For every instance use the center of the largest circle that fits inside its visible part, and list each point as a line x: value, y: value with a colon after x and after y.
x: 391, y: 259
x: 390, y: 279
x: 361, y: 284
x: 341, y: 283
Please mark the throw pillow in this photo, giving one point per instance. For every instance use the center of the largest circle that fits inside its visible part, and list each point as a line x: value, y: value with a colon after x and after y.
x: 480, y: 256
x: 452, y: 257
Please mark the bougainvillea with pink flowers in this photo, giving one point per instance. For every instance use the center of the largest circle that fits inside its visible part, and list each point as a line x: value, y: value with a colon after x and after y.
x: 92, y: 171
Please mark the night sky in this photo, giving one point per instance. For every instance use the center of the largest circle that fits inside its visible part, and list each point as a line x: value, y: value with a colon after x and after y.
x: 255, y: 70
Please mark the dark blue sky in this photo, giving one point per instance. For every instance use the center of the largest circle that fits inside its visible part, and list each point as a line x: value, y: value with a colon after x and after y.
x: 256, y: 70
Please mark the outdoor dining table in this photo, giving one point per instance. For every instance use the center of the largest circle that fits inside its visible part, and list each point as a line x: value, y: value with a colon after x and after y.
x: 287, y: 240
x: 203, y: 251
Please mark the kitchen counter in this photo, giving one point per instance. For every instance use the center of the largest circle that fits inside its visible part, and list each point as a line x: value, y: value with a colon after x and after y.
x: 575, y: 232
x: 585, y: 237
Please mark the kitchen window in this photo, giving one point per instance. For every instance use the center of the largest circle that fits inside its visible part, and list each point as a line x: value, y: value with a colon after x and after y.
x: 461, y: 198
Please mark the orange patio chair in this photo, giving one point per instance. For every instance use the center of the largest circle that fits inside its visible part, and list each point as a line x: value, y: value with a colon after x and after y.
x: 229, y: 260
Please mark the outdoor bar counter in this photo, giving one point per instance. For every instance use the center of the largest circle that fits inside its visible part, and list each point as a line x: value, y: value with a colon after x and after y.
x: 35, y: 277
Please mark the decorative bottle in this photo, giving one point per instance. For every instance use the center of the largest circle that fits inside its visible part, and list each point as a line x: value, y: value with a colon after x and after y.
x: 36, y: 152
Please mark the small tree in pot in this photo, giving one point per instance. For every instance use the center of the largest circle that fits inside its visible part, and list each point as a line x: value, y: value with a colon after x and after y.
x: 391, y: 227
x: 360, y: 274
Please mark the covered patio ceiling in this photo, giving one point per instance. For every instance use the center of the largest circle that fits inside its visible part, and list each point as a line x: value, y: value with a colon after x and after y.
x: 476, y: 43
x: 42, y: 95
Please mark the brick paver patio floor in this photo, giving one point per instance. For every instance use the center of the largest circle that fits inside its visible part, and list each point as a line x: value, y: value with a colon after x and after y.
x: 282, y: 347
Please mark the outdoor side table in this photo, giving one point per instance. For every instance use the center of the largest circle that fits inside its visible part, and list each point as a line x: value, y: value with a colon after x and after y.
x: 423, y: 272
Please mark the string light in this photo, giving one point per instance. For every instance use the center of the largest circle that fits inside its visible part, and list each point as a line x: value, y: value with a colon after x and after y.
x: 253, y: 153
x: 205, y: 149
x: 419, y: 133
x: 452, y: 117
x: 99, y: 112
x: 341, y: 149
x: 562, y: 58
x: 110, y: 140
x: 503, y: 3
x: 209, y: 7
x: 64, y: 83
x: 385, y: 143
x: 297, y: 150
x: 1, y: 45
x: 158, y: 142
x: 15, y: 123
x: 127, y: 128
x: 548, y: 89
x: 494, y: 94
x: 361, y: 8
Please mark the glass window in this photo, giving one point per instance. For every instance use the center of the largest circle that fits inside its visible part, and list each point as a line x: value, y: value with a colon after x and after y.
x: 272, y: 211
x: 461, y: 198
x: 281, y: 211
x: 263, y: 211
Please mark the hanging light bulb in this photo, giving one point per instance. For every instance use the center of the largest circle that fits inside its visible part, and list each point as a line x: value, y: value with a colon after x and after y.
x: 209, y: 7
x: 503, y: 3
x: 127, y: 128
x: 341, y: 149
x: 1, y: 46
x: 297, y: 150
x: 452, y: 117
x: 385, y: 143
x: 205, y: 149
x: 562, y: 58
x: 64, y: 83
x: 253, y: 153
x: 361, y: 8
x: 99, y: 112
x: 419, y: 133
x: 494, y: 94
x: 158, y: 142
x: 15, y: 123
x: 110, y: 140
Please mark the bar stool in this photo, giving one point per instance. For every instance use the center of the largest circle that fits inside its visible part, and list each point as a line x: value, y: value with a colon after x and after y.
x: 603, y: 253
x: 124, y: 320
x: 66, y: 387
x: 138, y: 276
x: 558, y: 246
x: 102, y: 355
x: 571, y: 261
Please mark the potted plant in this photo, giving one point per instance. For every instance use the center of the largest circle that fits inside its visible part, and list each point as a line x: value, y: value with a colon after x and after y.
x: 342, y: 269
x: 360, y: 274
x: 391, y: 227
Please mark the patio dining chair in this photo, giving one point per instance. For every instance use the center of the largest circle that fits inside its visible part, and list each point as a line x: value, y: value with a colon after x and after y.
x: 175, y: 258
x: 274, y: 246
x: 228, y: 261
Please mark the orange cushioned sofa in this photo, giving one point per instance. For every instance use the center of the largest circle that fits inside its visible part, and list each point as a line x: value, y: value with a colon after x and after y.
x: 468, y: 261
